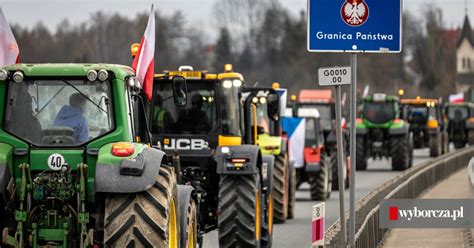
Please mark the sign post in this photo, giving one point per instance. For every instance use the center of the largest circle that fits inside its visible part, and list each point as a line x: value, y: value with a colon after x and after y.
x: 338, y: 76
x: 360, y: 26
x: 317, y: 223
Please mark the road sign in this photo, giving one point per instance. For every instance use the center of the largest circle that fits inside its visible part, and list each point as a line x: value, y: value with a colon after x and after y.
x: 318, y: 224
x: 334, y: 76
x: 355, y: 26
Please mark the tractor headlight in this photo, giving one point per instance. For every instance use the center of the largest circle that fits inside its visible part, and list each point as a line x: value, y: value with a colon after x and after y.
x: 237, y: 83
x: 92, y: 75
x: 263, y: 100
x: 131, y: 81
x: 103, y: 75
x: 227, y: 84
x: 3, y: 75
x: 255, y: 100
x: 18, y: 76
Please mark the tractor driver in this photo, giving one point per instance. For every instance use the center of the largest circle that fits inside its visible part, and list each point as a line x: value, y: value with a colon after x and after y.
x: 72, y: 116
x: 162, y: 119
x: 195, y: 120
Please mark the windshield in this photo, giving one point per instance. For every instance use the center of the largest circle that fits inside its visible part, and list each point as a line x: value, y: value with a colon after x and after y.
x: 59, y: 112
x: 311, y: 137
x: 418, y: 114
x: 197, y: 117
x: 325, y: 112
x: 458, y: 112
x: 379, y: 112
x: 230, y: 106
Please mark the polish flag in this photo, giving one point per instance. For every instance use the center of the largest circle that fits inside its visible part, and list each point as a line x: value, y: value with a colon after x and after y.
x: 457, y: 97
x: 9, y: 51
x: 143, y: 64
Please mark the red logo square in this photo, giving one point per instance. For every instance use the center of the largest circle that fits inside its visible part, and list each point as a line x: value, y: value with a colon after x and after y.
x: 393, y: 213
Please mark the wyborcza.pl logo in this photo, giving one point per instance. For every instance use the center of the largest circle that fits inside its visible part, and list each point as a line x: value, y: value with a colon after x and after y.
x: 410, y: 214
x: 426, y: 213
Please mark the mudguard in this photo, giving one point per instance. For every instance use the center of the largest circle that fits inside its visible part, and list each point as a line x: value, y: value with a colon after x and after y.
x: 250, y: 153
x: 399, y: 131
x: 5, y: 177
x: 185, y: 194
x: 268, y: 162
x: 331, y: 139
x: 117, y: 179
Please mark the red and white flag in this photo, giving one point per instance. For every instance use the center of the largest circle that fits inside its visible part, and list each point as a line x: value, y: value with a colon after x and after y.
x: 9, y: 51
x: 143, y: 64
x: 459, y: 97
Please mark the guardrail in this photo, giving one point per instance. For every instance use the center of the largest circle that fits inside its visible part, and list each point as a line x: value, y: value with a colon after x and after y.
x: 408, y: 185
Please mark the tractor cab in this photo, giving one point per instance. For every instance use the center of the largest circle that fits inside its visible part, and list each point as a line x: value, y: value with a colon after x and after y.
x: 460, y: 123
x: 68, y: 155
x: 426, y: 121
x: 380, y: 133
x: 197, y: 119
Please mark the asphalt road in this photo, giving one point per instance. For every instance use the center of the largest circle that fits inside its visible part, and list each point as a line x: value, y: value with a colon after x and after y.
x: 297, y: 232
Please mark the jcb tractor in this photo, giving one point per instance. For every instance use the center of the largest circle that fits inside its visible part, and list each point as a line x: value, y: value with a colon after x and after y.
x: 427, y: 127
x: 71, y: 173
x: 380, y: 133
x: 271, y: 142
x: 317, y: 167
x: 323, y: 101
x: 460, y: 119
x: 197, y: 118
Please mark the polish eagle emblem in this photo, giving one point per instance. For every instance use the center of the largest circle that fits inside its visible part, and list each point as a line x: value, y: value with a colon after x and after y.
x: 355, y: 12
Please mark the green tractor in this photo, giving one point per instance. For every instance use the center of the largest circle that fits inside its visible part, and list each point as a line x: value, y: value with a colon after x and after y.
x: 198, y: 120
x: 265, y: 101
x: 460, y: 119
x: 381, y: 134
x: 71, y: 173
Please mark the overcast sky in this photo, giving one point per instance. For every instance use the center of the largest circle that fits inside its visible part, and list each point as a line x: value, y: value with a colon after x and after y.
x: 51, y: 12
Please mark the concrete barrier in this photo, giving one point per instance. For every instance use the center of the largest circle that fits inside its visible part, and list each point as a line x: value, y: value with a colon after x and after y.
x: 409, y: 184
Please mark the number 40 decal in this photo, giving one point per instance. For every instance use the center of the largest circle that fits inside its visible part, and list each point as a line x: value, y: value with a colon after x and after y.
x: 56, y: 161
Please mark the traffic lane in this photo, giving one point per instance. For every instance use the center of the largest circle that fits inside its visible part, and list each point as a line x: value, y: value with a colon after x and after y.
x: 297, y: 232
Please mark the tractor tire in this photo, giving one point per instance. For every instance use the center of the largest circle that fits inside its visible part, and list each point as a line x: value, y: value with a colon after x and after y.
x: 240, y: 211
x: 459, y: 144
x: 400, y: 153
x: 267, y: 226
x: 435, y: 144
x: 445, y: 142
x: 335, y: 171
x: 470, y: 137
x: 417, y: 142
x: 144, y: 219
x: 319, y: 183
x: 292, y: 191
x: 188, y: 212
x: 280, y: 188
x: 361, y: 160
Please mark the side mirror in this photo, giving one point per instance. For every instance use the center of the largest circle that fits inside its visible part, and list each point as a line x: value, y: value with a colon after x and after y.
x: 273, y: 106
x: 180, y: 89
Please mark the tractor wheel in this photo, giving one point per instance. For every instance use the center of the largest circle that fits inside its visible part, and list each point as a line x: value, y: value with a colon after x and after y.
x: 334, y: 171
x: 400, y: 153
x: 459, y: 144
x: 445, y: 142
x: 470, y: 137
x: 319, y: 182
x: 435, y: 145
x: 240, y: 211
x: 292, y: 192
x: 361, y: 160
x: 188, y: 217
x: 145, y: 219
x: 417, y: 142
x: 280, y: 188
x: 267, y: 225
